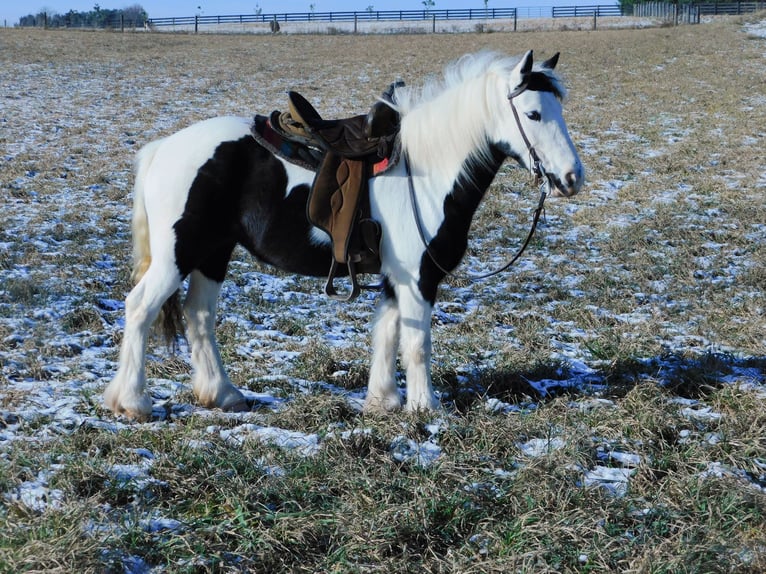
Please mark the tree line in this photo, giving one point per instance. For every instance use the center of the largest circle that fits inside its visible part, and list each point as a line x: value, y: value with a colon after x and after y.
x: 99, y: 17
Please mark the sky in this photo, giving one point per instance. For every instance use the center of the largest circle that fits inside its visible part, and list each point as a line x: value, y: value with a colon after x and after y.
x: 12, y: 10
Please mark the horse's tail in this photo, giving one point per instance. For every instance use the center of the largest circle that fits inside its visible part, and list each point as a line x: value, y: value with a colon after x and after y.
x: 170, y: 319
x: 142, y: 254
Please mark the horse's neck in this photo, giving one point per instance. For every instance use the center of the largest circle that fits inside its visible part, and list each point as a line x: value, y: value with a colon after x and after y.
x: 469, y: 188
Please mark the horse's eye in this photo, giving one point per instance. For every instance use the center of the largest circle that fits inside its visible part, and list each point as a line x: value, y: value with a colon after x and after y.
x: 534, y: 116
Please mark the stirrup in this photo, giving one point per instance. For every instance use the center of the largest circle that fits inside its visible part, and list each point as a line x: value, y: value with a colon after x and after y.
x: 329, y: 287
x: 356, y: 287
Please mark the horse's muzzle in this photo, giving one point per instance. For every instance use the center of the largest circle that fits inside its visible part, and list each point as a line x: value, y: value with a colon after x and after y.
x: 570, y: 186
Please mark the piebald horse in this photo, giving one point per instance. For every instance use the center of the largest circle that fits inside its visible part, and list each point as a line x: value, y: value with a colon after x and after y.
x: 203, y: 190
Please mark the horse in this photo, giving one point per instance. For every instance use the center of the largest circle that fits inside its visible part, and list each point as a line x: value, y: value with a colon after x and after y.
x: 211, y: 186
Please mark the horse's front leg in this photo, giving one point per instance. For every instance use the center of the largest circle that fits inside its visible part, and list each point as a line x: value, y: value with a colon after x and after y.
x: 415, y: 323
x: 382, y: 394
x: 211, y: 385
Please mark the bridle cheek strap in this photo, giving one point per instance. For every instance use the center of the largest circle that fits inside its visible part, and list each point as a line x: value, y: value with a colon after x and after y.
x: 535, y: 165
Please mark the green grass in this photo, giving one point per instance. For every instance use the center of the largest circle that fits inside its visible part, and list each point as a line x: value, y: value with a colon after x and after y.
x: 352, y: 508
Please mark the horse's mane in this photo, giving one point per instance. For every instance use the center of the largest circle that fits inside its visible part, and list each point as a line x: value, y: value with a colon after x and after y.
x: 467, y: 80
x: 465, y: 68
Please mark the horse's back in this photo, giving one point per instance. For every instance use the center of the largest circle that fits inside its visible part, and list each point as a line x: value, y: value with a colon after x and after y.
x: 194, y: 145
x: 167, y: 168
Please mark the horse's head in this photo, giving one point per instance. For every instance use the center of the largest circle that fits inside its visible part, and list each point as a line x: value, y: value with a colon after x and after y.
x: 532, y: 128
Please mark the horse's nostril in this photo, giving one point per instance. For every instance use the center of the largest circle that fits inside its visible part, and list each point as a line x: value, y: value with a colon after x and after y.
x: 573, y: 182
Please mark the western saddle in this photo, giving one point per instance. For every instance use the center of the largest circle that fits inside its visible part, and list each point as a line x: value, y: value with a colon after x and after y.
x: 345, y: 154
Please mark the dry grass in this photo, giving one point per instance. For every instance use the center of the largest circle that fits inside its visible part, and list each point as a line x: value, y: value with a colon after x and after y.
x: 654, y: 276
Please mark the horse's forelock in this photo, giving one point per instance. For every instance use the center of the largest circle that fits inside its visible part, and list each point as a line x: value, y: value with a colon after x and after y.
x: 545, y: 80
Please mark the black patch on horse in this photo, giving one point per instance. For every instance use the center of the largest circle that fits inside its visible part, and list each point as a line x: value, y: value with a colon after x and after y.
x: 451, y: 240
x: 542, y: 82
x: 240, y: 196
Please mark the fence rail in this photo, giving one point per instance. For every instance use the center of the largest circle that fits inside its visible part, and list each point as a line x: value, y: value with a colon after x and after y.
x: 578, y: 11
x: 366, y: 16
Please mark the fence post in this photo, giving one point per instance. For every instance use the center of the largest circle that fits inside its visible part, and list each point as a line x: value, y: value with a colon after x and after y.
x: 514, y: 19
x: 433, y: 24
x: 196, y: 23
x: 355, y: 21
x: 122, y: 23
x: 594, y: 19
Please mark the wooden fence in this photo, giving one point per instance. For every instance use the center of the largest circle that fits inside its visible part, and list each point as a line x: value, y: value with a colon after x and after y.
x: 669, y: 11
x: 692, y: 13
x: 329, y: 17
x: 730, y: 8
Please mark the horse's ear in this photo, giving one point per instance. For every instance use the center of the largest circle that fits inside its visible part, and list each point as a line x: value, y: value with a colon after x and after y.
x: 525, y: 64
x: 520, y: 74
x: 550, y: 63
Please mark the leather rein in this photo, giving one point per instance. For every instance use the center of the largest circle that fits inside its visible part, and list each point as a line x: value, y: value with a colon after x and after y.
x: 541, y: 179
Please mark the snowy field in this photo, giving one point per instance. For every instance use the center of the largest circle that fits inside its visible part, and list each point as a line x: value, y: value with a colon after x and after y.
x: 654, y: 275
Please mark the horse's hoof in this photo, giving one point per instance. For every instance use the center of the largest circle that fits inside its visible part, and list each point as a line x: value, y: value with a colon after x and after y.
x: 233, y: 402
x: 237, y: 407
x: 138, y: 416
x: 139, y: 410
x: 423, y: 406
x: 382, y: 404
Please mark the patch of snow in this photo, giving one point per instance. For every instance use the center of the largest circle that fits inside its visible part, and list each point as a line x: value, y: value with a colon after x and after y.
x: 614, y: 480
x: 720, y: 470
x: 154, y: 525
x: 423, y: 454
x: 495, y: 405
x: 625, y: 459
x: 134, y: 476
x: 757, y: 29
x: 304, y: 444
x: 36, y: 494
x: 702, y: 414
x: 135, y: 565
x: 588, y: 405
x: 537, y: 447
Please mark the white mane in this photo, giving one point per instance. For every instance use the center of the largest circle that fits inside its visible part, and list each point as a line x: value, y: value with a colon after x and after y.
x: 444, y: 120
x: 455, y: 74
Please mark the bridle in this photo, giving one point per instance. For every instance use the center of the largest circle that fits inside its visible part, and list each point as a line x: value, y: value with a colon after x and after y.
x: 540, y: 177
x: 535, y: 165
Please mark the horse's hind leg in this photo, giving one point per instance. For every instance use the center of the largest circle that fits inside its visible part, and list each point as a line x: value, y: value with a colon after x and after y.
x: 126, y: 393
x: 382, y: 394
x: 210, y: 383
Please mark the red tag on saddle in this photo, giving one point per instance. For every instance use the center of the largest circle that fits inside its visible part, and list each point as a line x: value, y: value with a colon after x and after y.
x: 380, y: 167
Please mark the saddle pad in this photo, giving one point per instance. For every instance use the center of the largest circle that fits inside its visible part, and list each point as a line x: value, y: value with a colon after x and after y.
x: 289, y: 150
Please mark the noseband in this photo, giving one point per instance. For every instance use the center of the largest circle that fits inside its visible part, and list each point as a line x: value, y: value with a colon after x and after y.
x: 541, y: 179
